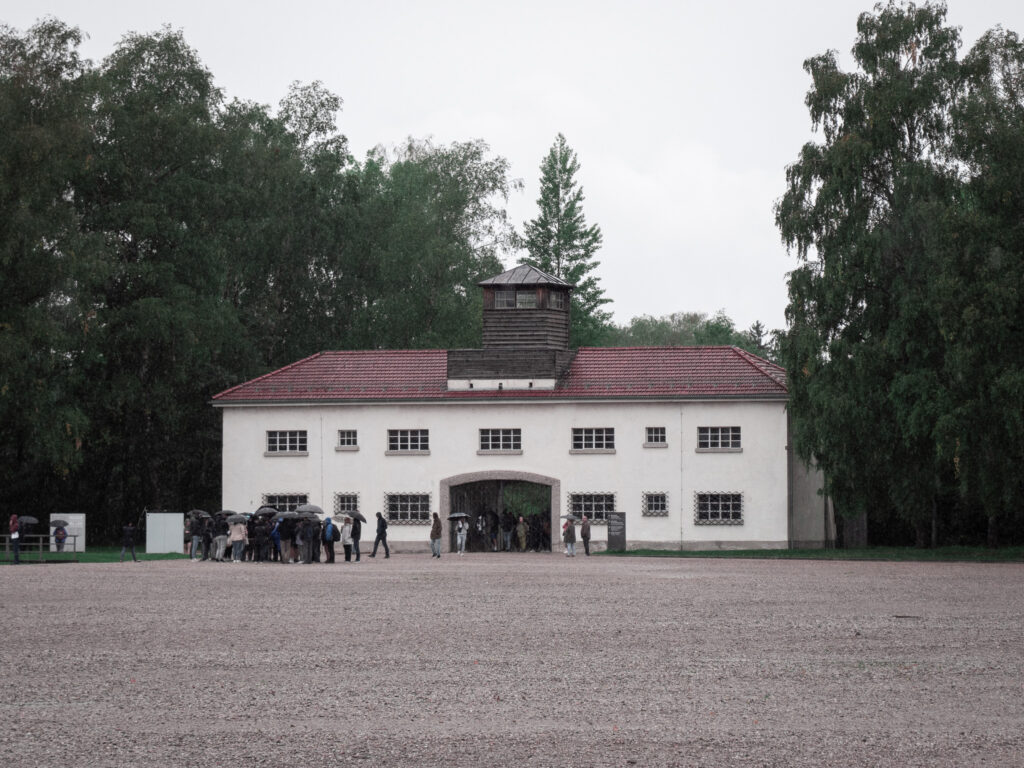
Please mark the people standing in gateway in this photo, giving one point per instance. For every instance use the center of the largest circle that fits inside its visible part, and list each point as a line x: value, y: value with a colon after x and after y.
x: 357, y: 533
x: 435, y: 537
x: 508, y: 525
x: 461, y: 529
x: 128, y: 541
x: 521, y: 533
x: 585, y: 535
x: 382, y: 537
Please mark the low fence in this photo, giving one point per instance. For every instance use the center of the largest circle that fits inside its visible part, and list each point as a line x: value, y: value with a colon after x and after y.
x: 35, y: 547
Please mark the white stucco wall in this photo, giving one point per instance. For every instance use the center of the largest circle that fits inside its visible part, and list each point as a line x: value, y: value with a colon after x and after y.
x: 759, y: 471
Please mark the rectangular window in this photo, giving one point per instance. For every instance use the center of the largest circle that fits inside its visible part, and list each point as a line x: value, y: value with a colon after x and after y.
x: 501, y: 439
x: 286, y: 441
x: 655, y: 505
x: 655, y: 436
x: 526, y: 299
x: 406, y: 440
x: 408, y: 508
x: 718, y: 509
x: 347, y: 438
x: 556, y: 300
x: 345, y: 504
x: 593, y: 438
x: 504, y: 299
x: 595, y: 506
x: 718, y: 439
x: 284, y: 502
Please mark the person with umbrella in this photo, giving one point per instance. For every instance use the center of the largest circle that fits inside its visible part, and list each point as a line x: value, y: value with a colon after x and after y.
x: 220, y: 537
x: 346, y: 539
x: 330, y: 531
x: 461, y: 529
x: 128, y: 541
x: 357, y: 533
x: 569, y: 536
x: 14, y: 527
x: 60, y: 534
x: 238, y: 535
x: 382, y: 537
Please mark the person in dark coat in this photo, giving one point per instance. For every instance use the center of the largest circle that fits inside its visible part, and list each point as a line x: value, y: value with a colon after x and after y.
x: 585, y: 535
x: 357, y: 532
x: 382, y: 537
x: 329, y: 529
x: 128, y: 541
x: 435, y: 537
x: 275, y: 538
x: 508, y: 525
x: 14, y: 528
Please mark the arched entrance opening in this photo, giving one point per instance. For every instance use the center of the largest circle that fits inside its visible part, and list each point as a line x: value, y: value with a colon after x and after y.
x: 493, y: 503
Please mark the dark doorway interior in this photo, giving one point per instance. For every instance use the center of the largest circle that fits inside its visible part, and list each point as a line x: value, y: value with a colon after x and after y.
x: 492, y: 505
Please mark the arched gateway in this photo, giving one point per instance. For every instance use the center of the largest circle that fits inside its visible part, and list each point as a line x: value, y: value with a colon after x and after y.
x: 488, y: 494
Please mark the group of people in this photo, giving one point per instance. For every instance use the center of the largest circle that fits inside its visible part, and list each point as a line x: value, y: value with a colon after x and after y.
x: 260, y: 539
x: 15, y: 531
x: 569, y: 536
x: 531, y: 534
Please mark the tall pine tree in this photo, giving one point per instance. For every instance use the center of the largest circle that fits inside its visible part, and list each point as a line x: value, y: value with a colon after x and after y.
x: 560, y: 243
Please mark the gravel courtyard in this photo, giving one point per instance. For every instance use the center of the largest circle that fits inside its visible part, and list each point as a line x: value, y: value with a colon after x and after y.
x: 518, y: 660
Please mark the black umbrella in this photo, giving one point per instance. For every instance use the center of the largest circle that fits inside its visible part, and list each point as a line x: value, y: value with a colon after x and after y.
x: 58, y: 523
x: 226, y: 512
x: 287, y: 515
x: 28, y: 520
x: 265, y: 512
x: 454, y: 515
x: 237, y: 519
x: 309, y: 508
x: 570, y: 517
x: 354, y: 515
x: 199, y: 513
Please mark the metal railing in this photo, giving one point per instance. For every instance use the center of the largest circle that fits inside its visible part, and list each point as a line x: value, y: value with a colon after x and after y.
x: 38, y: 544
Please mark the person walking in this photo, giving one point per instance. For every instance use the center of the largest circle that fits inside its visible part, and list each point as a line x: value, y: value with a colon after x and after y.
x: 330, y: 529
x: 346, y: 539
x: 128, y: 541
x: 435, y: 537
x: 14, y: 528
x: 569, y: 537
x: 238, y: 535
x: 461, y: 529
x: 357, y: 533
x: 585, y: 535
x: 382, y: 537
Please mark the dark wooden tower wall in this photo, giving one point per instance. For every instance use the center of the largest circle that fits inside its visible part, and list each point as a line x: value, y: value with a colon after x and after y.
x: 545, y: 326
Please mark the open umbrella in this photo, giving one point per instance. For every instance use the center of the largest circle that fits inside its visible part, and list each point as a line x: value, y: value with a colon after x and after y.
x: 28, y: 520
x: 265, y: 512
x: 287, y: 516
x: 226, y: 512
x: 570, y: 517
x: 354, y: 515
x: 198, y: 513
x: 309, y: 508
x: 455, y: 515
x: 58, y: 523
x: 237, y: 519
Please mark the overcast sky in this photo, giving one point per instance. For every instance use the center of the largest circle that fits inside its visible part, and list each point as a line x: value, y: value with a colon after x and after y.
x: 684, y: 114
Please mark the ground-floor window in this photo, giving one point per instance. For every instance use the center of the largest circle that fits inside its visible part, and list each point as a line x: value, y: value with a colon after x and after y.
x: 345, y: 504
x: 655, y: 505
x: 408, y: 508
x: 595, y: 506
x: 718, y: 508
x: 285, y: 502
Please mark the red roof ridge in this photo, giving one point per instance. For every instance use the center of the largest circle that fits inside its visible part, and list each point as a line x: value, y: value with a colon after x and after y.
x: 268, y: 373
x: 767, y: 367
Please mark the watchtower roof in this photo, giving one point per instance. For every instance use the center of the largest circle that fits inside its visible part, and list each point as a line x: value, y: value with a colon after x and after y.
x: 524, y: 274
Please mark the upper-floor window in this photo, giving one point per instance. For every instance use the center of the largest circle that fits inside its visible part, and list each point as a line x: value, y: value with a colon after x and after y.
x: 286, y: 441
x: 595, y: 506
x: 285, y: 502
x: 655, y: 438
x: 406, y: 440
x: 501, y: 439
x: 348, y: 438
x: 515, y: 299
x: 718, y: 509
x: 718, y: 439
x: 557, y: 300
x: 593, y: 438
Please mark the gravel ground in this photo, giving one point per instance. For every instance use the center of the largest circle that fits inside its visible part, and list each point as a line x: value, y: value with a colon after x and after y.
x: 524, y: 660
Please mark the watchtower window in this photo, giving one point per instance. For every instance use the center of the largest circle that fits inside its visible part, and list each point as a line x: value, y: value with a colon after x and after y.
x: 526, y: 300
x: 556, y: 299
x: 515, y: 299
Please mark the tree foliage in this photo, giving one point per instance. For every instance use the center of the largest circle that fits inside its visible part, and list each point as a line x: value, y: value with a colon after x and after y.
x: 691, y: 329
x: 884, y: 216
x: 160, y: 245
x: 560, y: 242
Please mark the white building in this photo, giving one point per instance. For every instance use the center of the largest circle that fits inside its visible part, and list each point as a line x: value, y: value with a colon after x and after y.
x: 689, y: 443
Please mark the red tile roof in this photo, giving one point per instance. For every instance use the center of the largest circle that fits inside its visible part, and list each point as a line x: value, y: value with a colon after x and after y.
x: 623, y: 373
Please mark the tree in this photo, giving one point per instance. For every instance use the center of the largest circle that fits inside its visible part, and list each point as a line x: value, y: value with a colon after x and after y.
x: 865, y: 211
x: 560, y: 243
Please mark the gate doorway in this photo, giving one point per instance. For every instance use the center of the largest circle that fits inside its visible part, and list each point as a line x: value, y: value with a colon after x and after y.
x: 493, y: 509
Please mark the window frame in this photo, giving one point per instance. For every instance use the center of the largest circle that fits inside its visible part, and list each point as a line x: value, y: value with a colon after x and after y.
x: 654, y: 504
x: 656, y: 432
x: 292, y: 500
x: 719, y: 439
x: 277, y: 437
x: 586, y: 503
x: 343, y: 445
x: 344, y: 503
x: 719, y: 498
x: 592, y: 440
x: 407, y: 498
x: 396, y: 438
x: 513, y: 446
